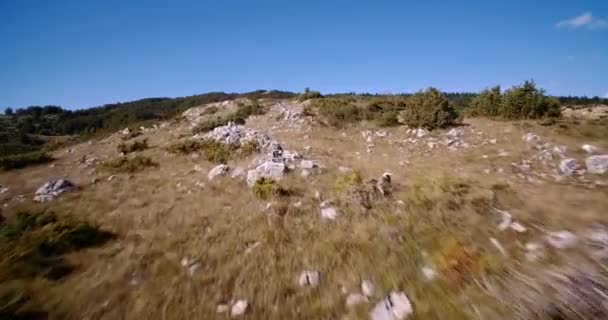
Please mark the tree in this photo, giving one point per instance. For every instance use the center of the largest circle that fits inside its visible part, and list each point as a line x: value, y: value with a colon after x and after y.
x: 487, y: 103
x: 9, y: 111
x: 528, y: 102
x: 429, y: 109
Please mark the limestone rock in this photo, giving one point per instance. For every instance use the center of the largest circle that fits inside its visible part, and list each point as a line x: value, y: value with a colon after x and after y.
x: 217, y: 171
x: 52, y: 190
x: 395, y: 306
x: 268, y: 169
x: 307, y: 164
x: 531, y: 137
x: 239, y: 308
x: 597, y: 164
x: 421, y: 133
x: 590, y: 149
x: 354, y: 299
x: 571, y: 166
x: 309, y: 278
x: 562, y: 239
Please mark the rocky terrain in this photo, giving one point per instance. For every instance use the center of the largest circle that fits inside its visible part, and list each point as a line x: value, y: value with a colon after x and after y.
x: 299, y: 220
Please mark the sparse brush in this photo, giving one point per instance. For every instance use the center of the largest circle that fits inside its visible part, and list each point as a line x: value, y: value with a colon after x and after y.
x: 350, y: 179
x: 310, y: 94
x: 184, y: 147
x: 248, y: 148
x: 128, y: 164
x: 213, y: 150
x: 239, y: 116
x: 23, y: 160
x: 266, y: 188
x: 133, y: 147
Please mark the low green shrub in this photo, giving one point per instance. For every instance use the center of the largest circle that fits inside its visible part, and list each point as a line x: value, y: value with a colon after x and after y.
x: 133, y: 147
x: 213, y: 150
x: 239, y: 116
x: 184, y: 147
x: 429, y: 109
x: 23, y: 160
x: 128, y: 164
x: 266, y: 188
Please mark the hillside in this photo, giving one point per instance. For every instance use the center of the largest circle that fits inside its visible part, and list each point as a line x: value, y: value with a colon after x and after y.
x: 328, y: 208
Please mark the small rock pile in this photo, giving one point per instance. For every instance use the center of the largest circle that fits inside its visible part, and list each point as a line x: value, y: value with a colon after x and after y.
x: 52, y: 190
x: 239, y: 135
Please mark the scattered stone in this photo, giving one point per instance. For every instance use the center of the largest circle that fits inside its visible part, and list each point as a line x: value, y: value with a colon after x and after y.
x: 597, y: 164
x: 590, y: 149
x: 52, y: 190
x: 561, y: 239
x: 534, y: 251
x: 506, y: 219
x: 238, y: 173
x: 429, y: 273
x: 136, y: 279
x: 3, y: 189
x: 531, y: 137
x: 110, y: 178
x: 126, y: 131
x: 368, y: 288
x: 268, y: 169
x: 518, y: 227
x: 571, y: 166
x: 354, y: 299
x: 381, y: 133
x: 560, y: 151
x: 238, y: 308
x: 305, y: 173
x: 309, y: 278
x: 329, y: 213
x: 307, y: 164
x: 421, y: 133
x: 217, y: 171
x: 342, y: 169
x: 396, y: 306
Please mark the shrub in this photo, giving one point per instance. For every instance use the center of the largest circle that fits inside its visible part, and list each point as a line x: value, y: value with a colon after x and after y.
x: 133, y: 147
x: 24, y: 160
x: 184, y: 147
x: 266, y: 188
x: 248, y: 148
x: 239, y: 116
x: 32, y: 241
x: 128, y: 165
x: 388, y: 119
x: 210, y: 110
x: 528, y: 102
x: 351, y: 179
x: 308, y: 94
x: 487, y: 103
x: 429, y: 109
x: 339, y: 113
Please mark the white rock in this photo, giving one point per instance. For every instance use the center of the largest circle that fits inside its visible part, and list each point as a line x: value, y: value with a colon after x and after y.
x: 590, y: 149
x: 217, y: 171
x: 421, y: 133
x: 307, y: 164
x: 110, y: 178
x: 367, y: 287
x: 222, y: 308
x: 534, y: 251
x: 396, y: 306
x: 329, y: 213
x: 562, y: 239
x: 518, y: 227
x: 498, y: 246
x: 305, y: 173
x: 570, y: 166
x: 309, y: 278
x: 597, y: 164
x: 354, y: 299
x: 344, y: 169
x: 429, y: 273
x: 505, y: 219
x: 531, y: 137
x: 52, y: 190
x: 381, y: 133
x: 268, y: 169
x: 239, y: 308
x: 237, y: 173
x: 3, y: 189
x: 560, y: 150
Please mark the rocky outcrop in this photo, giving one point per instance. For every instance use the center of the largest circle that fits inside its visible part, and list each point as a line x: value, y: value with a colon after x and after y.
x: 597, y: 164
x: 52, y: 190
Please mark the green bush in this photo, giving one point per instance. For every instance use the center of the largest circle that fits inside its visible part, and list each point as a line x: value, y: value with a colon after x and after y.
x: 184, y: 147
x: 528, y: 102
x: 429, y: 109
x: 266, y: 188
x: 239, y: 116
x: 128, y: 164
x: 23, y: 160
x: 32, y: 241
x: 133, y: 147
x: 487, y: 103
x: 339, y: 112
x: 308, y: 94
x: 388, y: 119
x: 214, y: 151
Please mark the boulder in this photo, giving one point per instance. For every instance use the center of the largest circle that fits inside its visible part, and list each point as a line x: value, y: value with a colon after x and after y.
x: 570, y: 166
x: 597, y: 164
x: 52, y: 190
x: 309, y: 278
x: 217, y: 171
x: 395, y: 306
x: 269, y: 169
x: 590, y: 149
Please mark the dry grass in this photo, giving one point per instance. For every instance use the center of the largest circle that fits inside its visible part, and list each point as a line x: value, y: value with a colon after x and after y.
x: 444, y: 220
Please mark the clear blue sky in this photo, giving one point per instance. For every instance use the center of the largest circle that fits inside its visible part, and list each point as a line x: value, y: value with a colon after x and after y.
x: 79, y: 54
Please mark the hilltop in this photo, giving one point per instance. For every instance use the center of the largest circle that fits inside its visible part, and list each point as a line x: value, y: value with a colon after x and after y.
x: 310, y: 207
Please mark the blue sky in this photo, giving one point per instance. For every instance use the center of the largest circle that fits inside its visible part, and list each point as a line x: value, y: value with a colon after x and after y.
x: 79, y: 54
